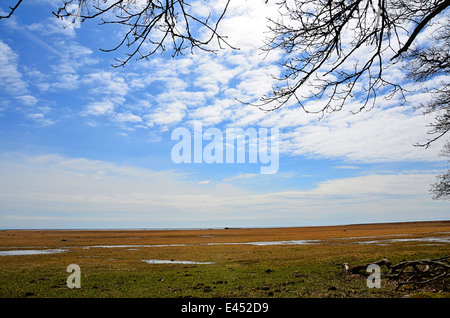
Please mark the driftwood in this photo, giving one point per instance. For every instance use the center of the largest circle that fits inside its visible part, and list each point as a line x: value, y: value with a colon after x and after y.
x: 417, y: 272
x: 361, y: 269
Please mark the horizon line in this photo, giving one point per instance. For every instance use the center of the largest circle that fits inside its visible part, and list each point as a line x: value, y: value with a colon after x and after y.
x: 216, y: 228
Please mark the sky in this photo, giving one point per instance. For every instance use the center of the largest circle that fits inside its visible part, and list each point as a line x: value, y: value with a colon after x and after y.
x: 84, y: 145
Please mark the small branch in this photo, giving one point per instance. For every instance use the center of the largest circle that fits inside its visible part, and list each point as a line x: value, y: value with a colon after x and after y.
x: 358, y: 268
x: 420, y: 26
x: 419, y: 272
x: 12, y: 10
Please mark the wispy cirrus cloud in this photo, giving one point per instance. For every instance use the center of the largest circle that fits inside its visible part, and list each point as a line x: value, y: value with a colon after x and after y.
x: 14, y: 84
x: 11, y: 80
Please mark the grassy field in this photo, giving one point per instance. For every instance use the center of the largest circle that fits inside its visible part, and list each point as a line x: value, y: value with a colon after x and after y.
x: 112, y: 265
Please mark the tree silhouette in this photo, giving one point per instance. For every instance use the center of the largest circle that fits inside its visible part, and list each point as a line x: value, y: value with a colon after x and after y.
x: 334, y: 50
x: 424, y: 64
x: 332, y: 46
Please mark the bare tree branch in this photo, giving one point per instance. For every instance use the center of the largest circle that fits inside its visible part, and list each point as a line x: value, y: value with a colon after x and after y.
x: 320, y: 39
x: 12, y: 10
x: 152, y: 25
x: 441, y: 7
x: 418, y: 272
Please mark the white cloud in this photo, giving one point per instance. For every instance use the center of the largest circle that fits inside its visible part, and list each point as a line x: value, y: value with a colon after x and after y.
x: 66, y: 73
x: 347, y: 167
x: 13, y: 83
x: 242, y: 176
x: 169, y: 113
x: 391, y: 185
x: 207, y: 84
x: 245, y: 23
x: 127, y: 117
x: 212, y: 75
x: 66, y: 81
x: 52, y: 183
x: 378, y: 135
x: 40, y: 119
x: 107, y: 83
x: 213, y: 114
x: 27, y: 100
x: 105, y: 107
x: 11, y: 79
x: 53, y: 26
x: 58, y: 187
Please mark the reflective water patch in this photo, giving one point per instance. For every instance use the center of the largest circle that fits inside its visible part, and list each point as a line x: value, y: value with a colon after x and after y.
x: 441, y: 239
x: 161, y: 261
x: 31, y: 252
x: 261, y: 243
x: 132, y: 246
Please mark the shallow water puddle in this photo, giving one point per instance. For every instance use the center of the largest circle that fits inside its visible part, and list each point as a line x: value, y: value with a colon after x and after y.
x: 443, y: 239
x: 346, y: 240
x: 32, y: 252
x: 132, y: 246
x: 161, y: 261
x: 293, y: 242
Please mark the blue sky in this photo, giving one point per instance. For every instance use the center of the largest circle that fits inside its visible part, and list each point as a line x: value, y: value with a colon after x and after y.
x: 86, y: 145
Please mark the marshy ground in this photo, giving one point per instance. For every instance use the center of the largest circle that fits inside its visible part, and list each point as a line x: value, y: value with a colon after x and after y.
x: 230, y: 263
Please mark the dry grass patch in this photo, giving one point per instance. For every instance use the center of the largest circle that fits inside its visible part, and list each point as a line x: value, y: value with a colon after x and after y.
x: 238, y: 270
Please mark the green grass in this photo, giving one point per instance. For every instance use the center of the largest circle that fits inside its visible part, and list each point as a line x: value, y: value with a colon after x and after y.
x: 239, y: 271
x: 234, y: 278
